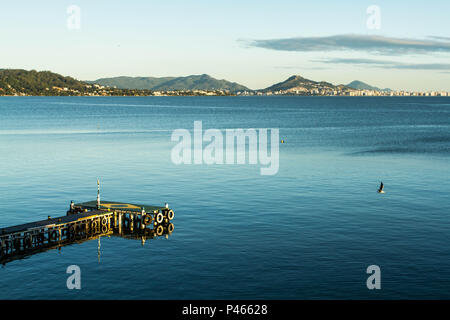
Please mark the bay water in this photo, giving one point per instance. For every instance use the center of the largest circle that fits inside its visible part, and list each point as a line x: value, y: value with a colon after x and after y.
x: 308, y: 232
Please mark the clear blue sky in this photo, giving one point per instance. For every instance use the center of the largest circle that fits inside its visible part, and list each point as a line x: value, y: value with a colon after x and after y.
x: 176, y: 38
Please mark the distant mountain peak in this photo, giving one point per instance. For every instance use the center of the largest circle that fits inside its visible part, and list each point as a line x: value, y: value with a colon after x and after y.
x: 296, y: 83
x: 360, y: 85
x: 296, y: 77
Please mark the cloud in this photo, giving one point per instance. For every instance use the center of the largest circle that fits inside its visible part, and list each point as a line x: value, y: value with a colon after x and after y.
x: 387, y: 64
x: 300, y: 67
x: 439, y: 38
x: 426, y: 66
x: 367, y: 43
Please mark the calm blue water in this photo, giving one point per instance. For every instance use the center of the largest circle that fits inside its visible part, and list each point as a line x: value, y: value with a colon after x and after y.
x: 308, y: 232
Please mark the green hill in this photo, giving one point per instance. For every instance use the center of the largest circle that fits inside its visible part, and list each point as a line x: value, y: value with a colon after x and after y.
x: 298, y: 83
x: 45, y: 83
x: 132, y: 82
x: 32, y: 82
x: 193, y: 82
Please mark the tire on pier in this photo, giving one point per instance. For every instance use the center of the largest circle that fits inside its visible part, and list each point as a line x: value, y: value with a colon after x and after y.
x: 52, y: 236
x: 94, y: 225
x: 170, y: 227
x: 71, y: 232
x: 80, y: 228
x: 170, y: 214
x: 39, y: 239
x: 159, y: 230
x: 28, y: 241
x: 8, y: 246
x: 147, y: 219
x: 4, y: 247
x: 159, y: 217
x: 16, y: 244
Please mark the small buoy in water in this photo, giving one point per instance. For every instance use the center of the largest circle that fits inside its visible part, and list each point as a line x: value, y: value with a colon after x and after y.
x: 380, y: 190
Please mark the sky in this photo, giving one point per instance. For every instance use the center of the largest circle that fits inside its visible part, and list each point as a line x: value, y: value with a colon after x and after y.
x: 390, y: 44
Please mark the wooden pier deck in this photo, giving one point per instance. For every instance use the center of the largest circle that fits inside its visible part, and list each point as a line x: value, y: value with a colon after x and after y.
x: 84, y: 221
x: 118, y: 206
x: 50, y: 223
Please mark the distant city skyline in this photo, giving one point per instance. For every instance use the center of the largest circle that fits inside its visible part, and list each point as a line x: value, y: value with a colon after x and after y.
x: 401, y: 45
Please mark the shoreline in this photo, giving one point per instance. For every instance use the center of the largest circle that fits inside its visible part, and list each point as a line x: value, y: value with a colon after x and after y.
x: 235, y: 95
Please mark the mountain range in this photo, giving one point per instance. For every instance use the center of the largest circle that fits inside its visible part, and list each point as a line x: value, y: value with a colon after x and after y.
x: 298, y: 84
x: 193, y: 82
x: 23, y: 82
x: 294, y: 84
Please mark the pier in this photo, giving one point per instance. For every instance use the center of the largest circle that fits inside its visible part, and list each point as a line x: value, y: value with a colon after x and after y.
x: 86, y: 221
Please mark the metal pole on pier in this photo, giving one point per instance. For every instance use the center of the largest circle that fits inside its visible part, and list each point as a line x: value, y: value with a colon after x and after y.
x: 142, y: 224
x: 98, y: 194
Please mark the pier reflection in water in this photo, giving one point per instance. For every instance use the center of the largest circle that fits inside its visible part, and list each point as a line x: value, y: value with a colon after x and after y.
x: 19, y: 244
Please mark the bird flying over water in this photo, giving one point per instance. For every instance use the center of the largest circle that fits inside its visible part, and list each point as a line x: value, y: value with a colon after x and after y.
x: 380, y: 190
